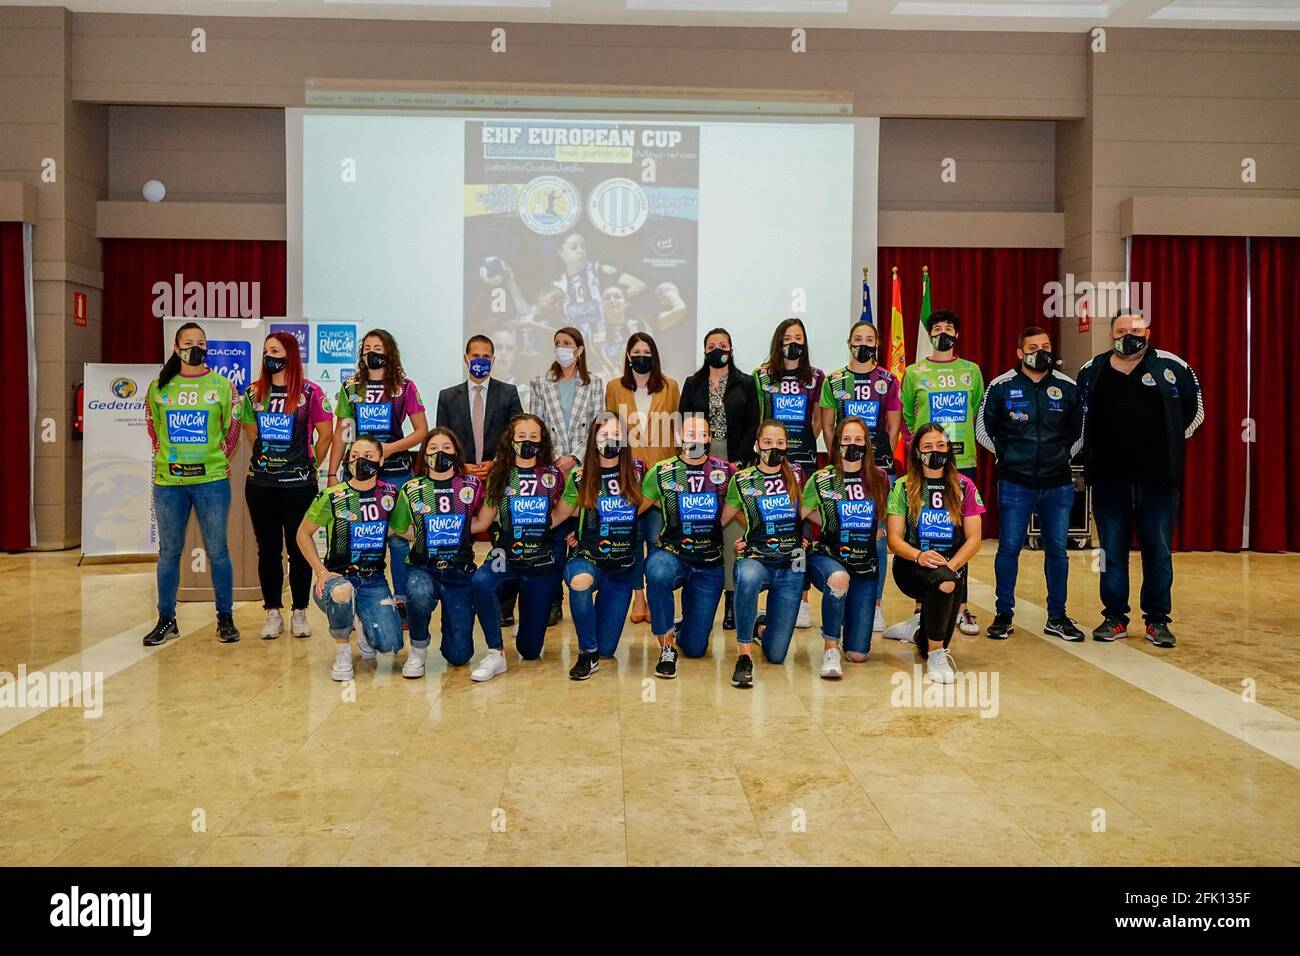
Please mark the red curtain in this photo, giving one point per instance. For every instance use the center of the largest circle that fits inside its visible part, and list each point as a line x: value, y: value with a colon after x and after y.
x: 1197, y: 307
x: 1275, y: 356
x: 132, y: 333
x: 15, y: 425
x: 996, y: 292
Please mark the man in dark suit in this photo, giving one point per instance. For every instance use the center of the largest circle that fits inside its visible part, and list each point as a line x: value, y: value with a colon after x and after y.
x: 477, y: 410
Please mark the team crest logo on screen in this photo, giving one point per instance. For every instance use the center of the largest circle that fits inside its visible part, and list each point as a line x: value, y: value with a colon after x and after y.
x: 336, y: 344
x: 123, y: 387
x: 548, y: 205
x: 618, y: 207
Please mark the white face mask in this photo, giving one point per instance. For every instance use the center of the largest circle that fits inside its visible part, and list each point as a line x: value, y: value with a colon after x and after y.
x: 565, y: 357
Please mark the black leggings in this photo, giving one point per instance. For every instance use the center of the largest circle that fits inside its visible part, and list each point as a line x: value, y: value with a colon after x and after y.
x: 276, y: 514
x: 938, y: 607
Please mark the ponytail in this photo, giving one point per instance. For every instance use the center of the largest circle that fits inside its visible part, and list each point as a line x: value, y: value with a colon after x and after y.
x: 172, y: 367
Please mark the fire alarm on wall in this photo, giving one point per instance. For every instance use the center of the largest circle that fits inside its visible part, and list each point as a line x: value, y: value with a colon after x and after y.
x: 79, y: 308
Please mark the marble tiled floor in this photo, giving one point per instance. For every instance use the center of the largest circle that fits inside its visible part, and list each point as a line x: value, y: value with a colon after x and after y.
x: 249, y: 754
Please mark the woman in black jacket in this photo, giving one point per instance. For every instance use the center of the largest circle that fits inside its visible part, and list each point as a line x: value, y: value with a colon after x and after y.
x: 726, y: 395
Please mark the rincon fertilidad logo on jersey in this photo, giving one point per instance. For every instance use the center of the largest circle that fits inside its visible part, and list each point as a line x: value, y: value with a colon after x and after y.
x: 78, y: 909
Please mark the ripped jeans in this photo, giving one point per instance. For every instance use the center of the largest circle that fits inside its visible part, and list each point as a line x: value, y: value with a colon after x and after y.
x: 370, y: 600
x: 848, y: 617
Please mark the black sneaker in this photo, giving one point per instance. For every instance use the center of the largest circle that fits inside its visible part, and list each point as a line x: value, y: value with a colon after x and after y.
x: 729, y: 610
x: 1001, y: 627
x: 162, y: 632
x: 667, y: 666
x: 556, y: 615
x: 743, y: 675
x: 1160, y: 635
x: 227, y: 633
x: 588, y: 664
x: 401, y: 612
x: 1064, y: 628
x: 760, y: 622
x: 1110, y: 629
x: 508, y: 614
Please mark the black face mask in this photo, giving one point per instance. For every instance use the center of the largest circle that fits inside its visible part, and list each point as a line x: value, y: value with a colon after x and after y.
x: 934, y: 459
x: 694, y: 449
x: 717, y: 358
x: 862, y: 353
x: 608, y: 449
x: 194, y: 356
x: 1039, y: 361
x: 274, y: 364
x: 943, y: 342
x: 771, y: 456
x: 1129, y: 344
x: 642, y: 364
x: 527, y: 449
x: 853, y: 452
x: 376, y: 360
x: 793, y: 351
x: 441, y: 461
x: 363, y: 469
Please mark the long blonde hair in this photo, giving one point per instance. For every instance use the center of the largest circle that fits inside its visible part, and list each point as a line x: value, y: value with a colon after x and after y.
x: 952, y: 489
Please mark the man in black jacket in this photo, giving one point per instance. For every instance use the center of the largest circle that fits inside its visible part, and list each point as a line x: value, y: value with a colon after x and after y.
x: 1031, y: 418
x: 1140, y: 406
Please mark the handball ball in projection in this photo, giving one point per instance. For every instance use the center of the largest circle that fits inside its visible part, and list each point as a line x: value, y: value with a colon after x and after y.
x: 493, y: 266
x: 154, y: 191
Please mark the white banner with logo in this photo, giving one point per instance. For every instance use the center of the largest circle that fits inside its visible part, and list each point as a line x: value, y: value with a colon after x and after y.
x: 117, y: 463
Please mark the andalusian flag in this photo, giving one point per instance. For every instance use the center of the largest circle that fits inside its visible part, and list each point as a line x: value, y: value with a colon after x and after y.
x: 866, y: 315
x: 923, y: 348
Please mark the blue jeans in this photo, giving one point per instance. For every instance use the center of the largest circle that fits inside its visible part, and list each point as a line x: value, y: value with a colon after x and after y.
x: 211, y: 502
x: 380, y: 621
x: 599, y: 620
x: 784, y: 587
x: 425, y: 587
x: 849, y: 617
x: 398, y: 547
x: 649, y: 524
x: 536, y: 588
x: 1118, y: 507
x: 1016, y: 505
x: 701, y: 586
x: 882, y: 568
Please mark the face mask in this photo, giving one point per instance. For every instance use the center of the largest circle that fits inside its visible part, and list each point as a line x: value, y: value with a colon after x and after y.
x: 1039, y: 361
x: 694, y: 449
x: 441, y: 461
x: 943, y: 342
x: 274, y: 364
x: 195, y: 355
x: 934, y: 459
x: 717, y: 358
x: 363, y: 469
x: 608, y: 449
x: 1129, y: 344
x: 376, y: 360
x: 771, y: 456
x: 793, y: 351
x: 527, y: 449
x: 642, y: 364
x: 862, y: 353
x: 853, y: 452
x: 480, y: 367
x: 565, y: 357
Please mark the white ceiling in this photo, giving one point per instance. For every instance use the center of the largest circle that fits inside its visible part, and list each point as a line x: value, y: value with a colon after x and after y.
x: 1029, y: 15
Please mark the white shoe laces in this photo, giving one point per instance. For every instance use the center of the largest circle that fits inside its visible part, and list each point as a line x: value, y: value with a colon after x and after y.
x: 666, y: 653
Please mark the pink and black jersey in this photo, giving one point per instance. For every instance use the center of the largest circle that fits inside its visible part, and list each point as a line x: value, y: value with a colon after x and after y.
x: 282, y: 453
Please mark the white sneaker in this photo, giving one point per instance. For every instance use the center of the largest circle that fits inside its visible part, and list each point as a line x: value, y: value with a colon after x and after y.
x: 298, y: 625
x: 966, y: 622
x: 831, y: 664
x: 905, y: 630
x: 879, y: 624
x: 414, y: 666
x: 342, y: 669
x: 363, y: 645
x: 274, y: 625
x: 805, y: 616
x: 938, y: 667
x: 492, y: 664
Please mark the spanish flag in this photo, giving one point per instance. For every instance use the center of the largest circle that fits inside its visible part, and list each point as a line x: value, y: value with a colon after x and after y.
x: 897, y: 349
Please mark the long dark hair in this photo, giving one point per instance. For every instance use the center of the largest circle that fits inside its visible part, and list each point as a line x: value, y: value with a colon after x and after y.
x: 172, y: 367
x: 857, y: 325
x: 875, y: 480
x: 421, y: 465
x: 556, y: 371
x: 505, y: 456
x: 394, y: 374
x: 292, y: 373
x: 656, y: 382
x: 787, y: 471
x: 589, y: 490
x: 776, y: 358
x: 704, y: 366
x: 916, y: 477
